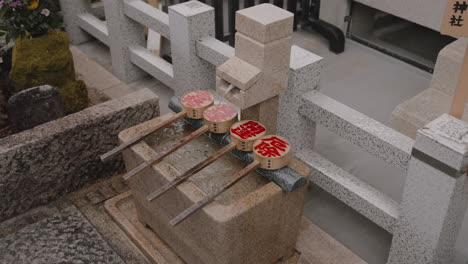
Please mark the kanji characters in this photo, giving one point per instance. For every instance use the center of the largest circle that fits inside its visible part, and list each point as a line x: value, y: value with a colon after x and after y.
x: 456, y: 22
x: 460, y: 7
x: 271, y: 147
x: 248, y: 130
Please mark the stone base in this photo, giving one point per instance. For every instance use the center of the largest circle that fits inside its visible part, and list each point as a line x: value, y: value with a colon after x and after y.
x: 314, y: 245
x: 418, y: 111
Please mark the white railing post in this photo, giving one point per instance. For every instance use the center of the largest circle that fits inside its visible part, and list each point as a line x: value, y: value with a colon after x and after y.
x: 304, y: 76
x: 435, y: 196
x: 123, y: 33
x: 190, y: 22
x: 70, y: 11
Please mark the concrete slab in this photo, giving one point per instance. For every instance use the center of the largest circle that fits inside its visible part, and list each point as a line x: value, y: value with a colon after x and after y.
x: 314, y: 245
x: 64, y: 237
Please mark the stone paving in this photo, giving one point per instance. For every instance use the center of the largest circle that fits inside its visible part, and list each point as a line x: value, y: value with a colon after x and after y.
x: 66, y: 237
x: 85, y: 208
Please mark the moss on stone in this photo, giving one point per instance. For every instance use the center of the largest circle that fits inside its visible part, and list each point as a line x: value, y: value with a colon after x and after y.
x: 48, y: 60
x: 74, y: 96
x: 43, y: 60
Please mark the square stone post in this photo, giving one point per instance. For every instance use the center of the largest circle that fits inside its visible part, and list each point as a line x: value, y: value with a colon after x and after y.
x: 123, y: 33
x: 259, y: 71
x: 70, y: 11
x: 304, y: 76
x: 190, y: 22
x: 435, y: 195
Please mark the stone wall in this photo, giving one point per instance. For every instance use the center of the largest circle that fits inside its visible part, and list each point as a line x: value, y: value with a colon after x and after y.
x: 38, y: 165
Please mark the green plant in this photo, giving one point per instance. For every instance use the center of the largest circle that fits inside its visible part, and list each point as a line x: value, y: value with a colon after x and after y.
x: 28, y: 18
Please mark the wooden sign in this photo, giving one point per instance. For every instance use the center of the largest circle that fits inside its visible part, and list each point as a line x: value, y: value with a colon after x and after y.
x: 270, y: 153
x: 455, y: 23
x: 461, y: 93
x: 243, y: 136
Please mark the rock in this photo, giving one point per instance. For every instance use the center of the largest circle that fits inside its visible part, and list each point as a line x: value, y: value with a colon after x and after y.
x: 35, y: 106
x: 47, y: 60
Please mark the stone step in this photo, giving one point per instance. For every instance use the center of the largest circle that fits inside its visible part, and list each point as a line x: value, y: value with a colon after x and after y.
x: 415, y: 113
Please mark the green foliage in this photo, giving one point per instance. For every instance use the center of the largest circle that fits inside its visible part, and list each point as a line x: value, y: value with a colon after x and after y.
x: 48, y: 60
x: 28, y: 18
x: 74, y: 96
x: 43, y: 60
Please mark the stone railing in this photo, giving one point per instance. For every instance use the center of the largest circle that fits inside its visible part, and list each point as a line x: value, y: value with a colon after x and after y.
x: 425, y: 224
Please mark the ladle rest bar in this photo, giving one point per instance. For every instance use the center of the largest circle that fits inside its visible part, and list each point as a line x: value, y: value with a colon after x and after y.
x: 286, y: 178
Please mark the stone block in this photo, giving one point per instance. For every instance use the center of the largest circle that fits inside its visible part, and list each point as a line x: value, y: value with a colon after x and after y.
x: 448, y: 67
x: 449, y: 132
x: 239, y: 73
x: 214, y: 51
x: 265, y: 88
x: 43, y: 163
x: 35, y: 106
x: 270, y: 57
x: 434, y: 199
x: 264, y: 113
x: 304, y: 76
x: 254, y: 222
x: 418, y: 111
x: 123, y: 33
x: 190, y: 22
x: 265, y: 22
x: 70, y: 10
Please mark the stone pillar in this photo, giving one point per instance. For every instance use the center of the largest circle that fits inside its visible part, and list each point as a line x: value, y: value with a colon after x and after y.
x: 263, y: 39
x: 304, y: 76
x: 435, y: 195
x: 123, y: 33
x: 259, y: 70
x: 190, y: 22
x: 70, y: 10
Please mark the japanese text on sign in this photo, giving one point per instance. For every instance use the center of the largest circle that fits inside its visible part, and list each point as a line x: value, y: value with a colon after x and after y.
x: 455, y: 22
x: 248, y: 130
x: 271, y: 147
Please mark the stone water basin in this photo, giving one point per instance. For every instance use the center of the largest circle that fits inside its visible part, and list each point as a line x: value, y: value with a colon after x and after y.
x: 253, y: 222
